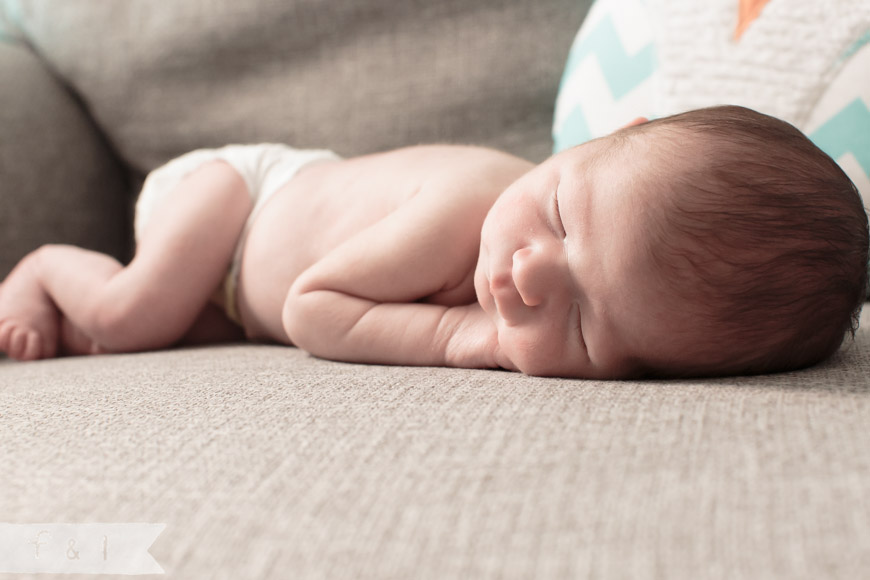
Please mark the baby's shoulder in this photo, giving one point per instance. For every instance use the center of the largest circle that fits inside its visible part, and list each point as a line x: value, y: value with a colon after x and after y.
x: 451, y: 176
x: 465, y: 156
x: 461, y: 167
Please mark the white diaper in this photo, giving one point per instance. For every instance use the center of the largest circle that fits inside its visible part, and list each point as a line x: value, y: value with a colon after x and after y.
x: 265, y: 168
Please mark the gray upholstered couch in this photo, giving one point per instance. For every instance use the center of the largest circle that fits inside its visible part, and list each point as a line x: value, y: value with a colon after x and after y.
x: 266, y: 463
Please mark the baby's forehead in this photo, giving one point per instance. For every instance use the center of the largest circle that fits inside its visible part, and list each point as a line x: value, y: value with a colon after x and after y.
x: 666, y: 146
x: 644, y: 165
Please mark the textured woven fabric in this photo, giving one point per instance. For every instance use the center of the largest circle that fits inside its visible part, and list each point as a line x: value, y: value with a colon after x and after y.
x: 266, y: 463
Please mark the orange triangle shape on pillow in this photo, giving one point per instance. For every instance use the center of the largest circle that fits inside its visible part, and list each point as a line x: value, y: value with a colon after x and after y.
x: 748, y: 11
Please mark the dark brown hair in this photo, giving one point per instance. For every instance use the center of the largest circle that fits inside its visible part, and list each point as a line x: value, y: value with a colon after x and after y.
x: 764, y: 240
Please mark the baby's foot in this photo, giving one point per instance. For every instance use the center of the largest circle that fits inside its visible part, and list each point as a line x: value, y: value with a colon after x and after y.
x: 29, y: 320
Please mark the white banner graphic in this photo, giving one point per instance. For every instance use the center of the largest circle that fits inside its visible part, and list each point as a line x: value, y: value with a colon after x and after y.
x: 79, y: 548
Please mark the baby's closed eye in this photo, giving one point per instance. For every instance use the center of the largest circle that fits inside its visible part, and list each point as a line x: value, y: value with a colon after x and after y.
x: 576, y: 319
x: 557, y: 216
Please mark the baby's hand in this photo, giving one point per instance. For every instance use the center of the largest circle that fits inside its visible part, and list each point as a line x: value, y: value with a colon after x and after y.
x: 473, y: 342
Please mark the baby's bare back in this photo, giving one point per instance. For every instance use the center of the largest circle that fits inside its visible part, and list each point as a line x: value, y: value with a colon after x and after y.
x: 328, y: 203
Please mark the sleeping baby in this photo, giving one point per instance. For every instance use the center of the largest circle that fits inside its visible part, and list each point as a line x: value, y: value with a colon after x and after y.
x: 714, y: 242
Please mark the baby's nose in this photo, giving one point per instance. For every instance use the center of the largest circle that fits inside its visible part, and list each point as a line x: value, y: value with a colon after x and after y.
x: 532, y: 275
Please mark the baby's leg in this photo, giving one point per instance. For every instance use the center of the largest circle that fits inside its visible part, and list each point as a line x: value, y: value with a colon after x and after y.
x: 182, y: 256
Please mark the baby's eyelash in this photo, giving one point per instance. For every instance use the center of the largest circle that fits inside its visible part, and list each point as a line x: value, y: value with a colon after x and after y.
x: 559, y: 225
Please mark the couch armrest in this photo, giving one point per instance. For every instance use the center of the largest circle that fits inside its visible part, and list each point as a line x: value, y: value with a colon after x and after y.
x: 60, y: 181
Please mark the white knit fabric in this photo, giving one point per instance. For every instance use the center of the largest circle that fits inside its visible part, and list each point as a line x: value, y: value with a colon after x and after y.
x: 781, y: 65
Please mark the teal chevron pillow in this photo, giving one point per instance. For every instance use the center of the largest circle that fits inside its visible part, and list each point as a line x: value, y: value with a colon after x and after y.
x: 609, y: 77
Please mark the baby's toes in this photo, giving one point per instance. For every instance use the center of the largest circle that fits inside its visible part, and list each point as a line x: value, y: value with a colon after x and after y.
x: 24, y: 344
x: 34, y: 348
x: 21, y: 342
x: 17, y: 343
x: 6, y: 328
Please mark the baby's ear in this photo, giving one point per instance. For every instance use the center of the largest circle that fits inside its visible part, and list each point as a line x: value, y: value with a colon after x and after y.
x: 638, y: 121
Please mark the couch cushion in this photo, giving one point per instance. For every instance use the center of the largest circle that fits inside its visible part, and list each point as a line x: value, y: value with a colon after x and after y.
x: 266, y: 463
x: 58, y: 179
x: 349, y: 76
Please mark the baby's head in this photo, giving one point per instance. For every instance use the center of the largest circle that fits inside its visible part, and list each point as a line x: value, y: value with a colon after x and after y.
x: 719, y: 241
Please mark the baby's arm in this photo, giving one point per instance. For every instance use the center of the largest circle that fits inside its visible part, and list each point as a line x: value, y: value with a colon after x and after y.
x: 358, y: 304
